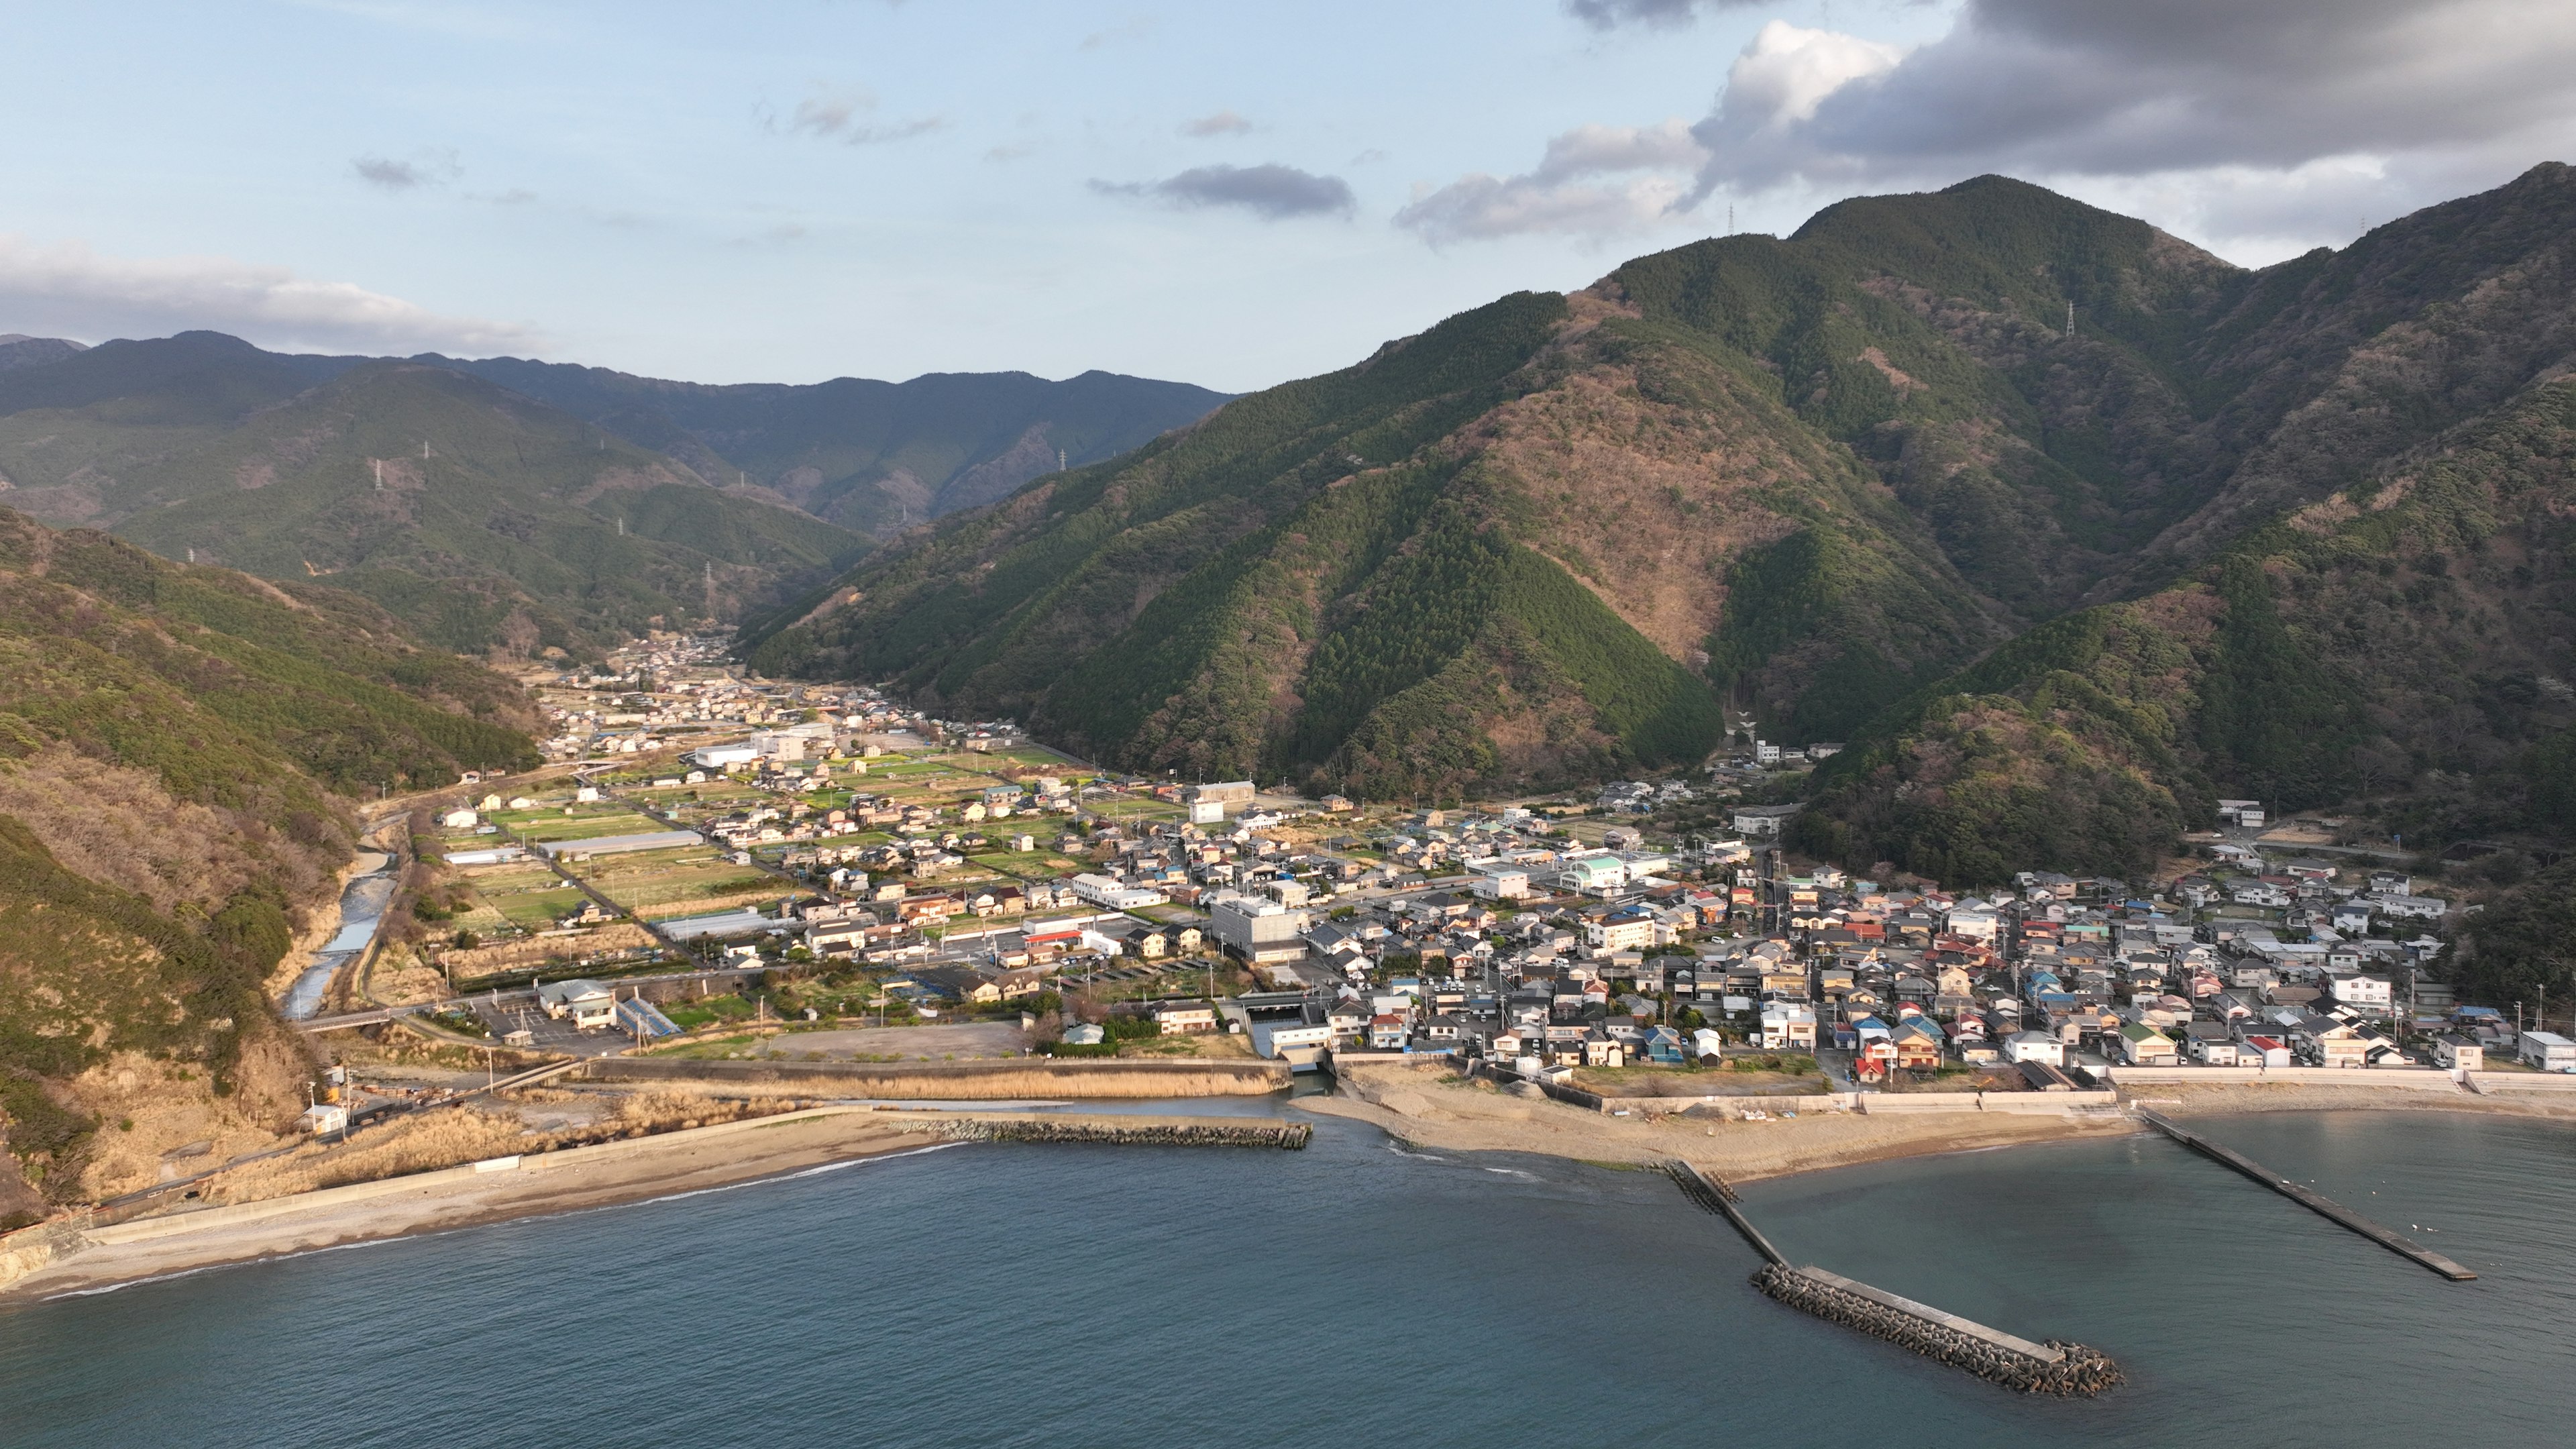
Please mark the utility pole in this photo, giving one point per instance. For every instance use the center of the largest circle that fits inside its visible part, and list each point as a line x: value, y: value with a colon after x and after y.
x: 380, y: 473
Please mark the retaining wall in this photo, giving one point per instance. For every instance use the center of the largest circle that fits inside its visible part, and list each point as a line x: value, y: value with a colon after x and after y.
x: 966, y: 1081
x: 2496, y: 1082
x: 2430, y: 1079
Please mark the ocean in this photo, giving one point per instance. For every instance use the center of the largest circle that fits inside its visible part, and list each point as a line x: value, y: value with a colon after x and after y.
x: 1358, y: 1294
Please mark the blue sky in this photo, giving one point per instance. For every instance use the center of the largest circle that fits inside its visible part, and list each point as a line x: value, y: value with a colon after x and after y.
x: 1231, y: 194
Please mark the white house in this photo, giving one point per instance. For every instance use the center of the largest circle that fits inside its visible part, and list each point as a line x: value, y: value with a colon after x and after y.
x: 2034, y: 1046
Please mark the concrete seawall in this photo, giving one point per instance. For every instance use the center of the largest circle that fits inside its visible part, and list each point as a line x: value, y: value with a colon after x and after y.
x: 1008, y: 1080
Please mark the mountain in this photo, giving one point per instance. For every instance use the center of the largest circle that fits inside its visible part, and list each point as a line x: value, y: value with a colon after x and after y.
x: 2405, y: 641
x: 871, y: 456
x: 1986, y: 444
x: 529, y: 525
x: 1490, y: 556
x: 17, y: 349
x: 484, y: 519
x: 477, y: 516
x: 178, y: 747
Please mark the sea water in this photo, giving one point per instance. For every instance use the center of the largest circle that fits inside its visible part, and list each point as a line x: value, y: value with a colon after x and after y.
x: 1360, y: 1294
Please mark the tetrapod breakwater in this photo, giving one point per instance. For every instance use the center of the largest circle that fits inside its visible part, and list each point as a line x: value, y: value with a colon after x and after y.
x: 2054, y: 1367
x: 1129, y: 1131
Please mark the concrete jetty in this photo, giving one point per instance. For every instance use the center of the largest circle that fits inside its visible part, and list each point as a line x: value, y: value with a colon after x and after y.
x: 2065, y: 1369
x: 2323, y: 1206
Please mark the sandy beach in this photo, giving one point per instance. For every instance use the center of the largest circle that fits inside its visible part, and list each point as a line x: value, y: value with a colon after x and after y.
x: 1425, y: 1107
x: 585, y: 1177
x: 1421, y: 1107
x: 1433, y: 1110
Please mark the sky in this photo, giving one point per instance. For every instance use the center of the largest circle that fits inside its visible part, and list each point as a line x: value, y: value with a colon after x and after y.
x: 1226, y: 193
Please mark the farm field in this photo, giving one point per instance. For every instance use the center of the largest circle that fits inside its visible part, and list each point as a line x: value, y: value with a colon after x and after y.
x: 1030, y: 865
x: 680, y: 881
x: 545, y: 825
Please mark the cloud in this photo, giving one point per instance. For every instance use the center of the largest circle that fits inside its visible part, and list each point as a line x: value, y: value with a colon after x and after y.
x: 2086, y: 88
x: 1270, y: 191
x: 1009, y: 153
x: 1595, y: 181
x: 427, y: 168
x: 1223, y: 123
x: 68, y: 289
x: 843, y: 116
x: 1661, y: 14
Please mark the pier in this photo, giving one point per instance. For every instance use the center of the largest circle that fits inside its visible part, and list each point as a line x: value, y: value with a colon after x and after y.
x: 2318, y: 1203
x: 2065, y: 1369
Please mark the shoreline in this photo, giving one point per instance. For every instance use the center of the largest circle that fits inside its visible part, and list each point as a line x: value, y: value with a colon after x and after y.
x: 1408, y: 1105
x: 1415, y: 1107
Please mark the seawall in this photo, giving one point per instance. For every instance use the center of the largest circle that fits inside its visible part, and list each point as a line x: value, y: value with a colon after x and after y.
x: 981, y: 1081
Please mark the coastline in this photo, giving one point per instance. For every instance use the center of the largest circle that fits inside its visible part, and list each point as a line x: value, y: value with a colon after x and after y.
x: 1408, y: 1104
x: 77, y: 1260
x: 1419, y: 1108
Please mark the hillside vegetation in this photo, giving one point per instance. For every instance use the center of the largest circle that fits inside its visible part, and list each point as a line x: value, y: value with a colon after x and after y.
x: 178, y: 746
x: 874, y: 457
x: 1820, y: 476
x: 483, y: 519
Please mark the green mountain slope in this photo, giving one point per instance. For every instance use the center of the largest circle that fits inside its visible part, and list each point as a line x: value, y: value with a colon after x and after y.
x: 2406, y: 641
x: 871, y: 456
x: 1490, y: 556
x: 521, y: 529
x: 1820, y: 473
x: 177, y: 746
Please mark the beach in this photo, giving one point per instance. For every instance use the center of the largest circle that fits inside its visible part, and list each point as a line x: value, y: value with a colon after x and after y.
x: 1435, y: 1110
x: 566, y: 1181
x: 1422, y: 1107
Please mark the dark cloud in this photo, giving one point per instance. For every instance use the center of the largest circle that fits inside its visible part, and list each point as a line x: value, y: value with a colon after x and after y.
x: 1664, y: 14
x: 1270, y: 191
x: 427, y: 169
x: 2112, y: 88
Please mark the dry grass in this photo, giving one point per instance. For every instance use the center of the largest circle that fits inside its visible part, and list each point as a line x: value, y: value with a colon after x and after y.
x: 456, y: 1137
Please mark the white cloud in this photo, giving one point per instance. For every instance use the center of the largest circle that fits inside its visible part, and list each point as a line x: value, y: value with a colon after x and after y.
x: 844, y: 116
x: 1223, y: 123
x: 68, y: 289
x: 1592, y: 181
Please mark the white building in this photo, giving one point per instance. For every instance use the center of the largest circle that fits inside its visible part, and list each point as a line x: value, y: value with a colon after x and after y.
x: 2547, y: 1050
x: 1115, y: 894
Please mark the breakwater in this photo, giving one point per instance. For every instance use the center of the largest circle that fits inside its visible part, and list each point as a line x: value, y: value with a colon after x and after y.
x: 2066, y: 1369
x: 2318, y: 1203
x: 1130, y: 1131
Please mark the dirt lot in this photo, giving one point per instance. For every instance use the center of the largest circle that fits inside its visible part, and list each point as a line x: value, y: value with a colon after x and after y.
x: 925, y: 1043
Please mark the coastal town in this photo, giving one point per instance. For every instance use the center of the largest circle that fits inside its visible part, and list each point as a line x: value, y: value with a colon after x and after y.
x: 829, y: 858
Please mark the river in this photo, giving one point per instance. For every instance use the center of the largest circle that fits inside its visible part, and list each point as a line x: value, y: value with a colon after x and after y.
x: 1355, y: 1294
x: 361, y: 910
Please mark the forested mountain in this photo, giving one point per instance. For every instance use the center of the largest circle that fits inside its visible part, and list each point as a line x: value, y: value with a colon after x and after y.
x: 871, y: 456
x: 178, y: 746
x: 525, y: 525
x: 1817, y: 476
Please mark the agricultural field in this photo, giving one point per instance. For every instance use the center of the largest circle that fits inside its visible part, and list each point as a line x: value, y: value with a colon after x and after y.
x: 683, y: 881
x: 1137, y: 809
x: 588, y: 823
x: 1029, y: 865
x: 523, y: 893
